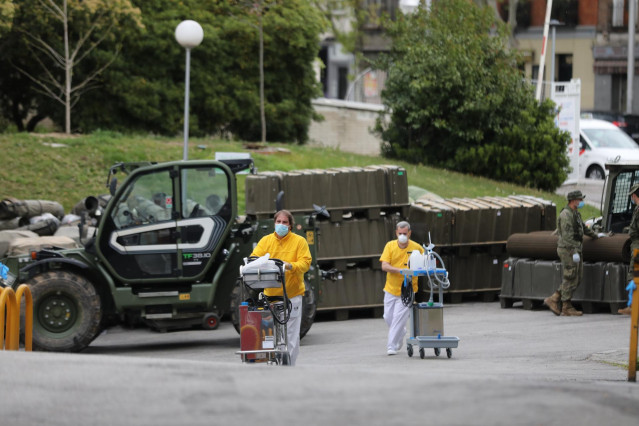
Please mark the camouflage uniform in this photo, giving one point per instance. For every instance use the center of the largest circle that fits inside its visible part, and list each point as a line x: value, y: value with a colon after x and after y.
x: 633, y: 232
x: 571, y: 230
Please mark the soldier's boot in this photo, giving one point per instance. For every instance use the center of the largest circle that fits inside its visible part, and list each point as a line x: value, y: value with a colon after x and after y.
x: 567, y: 310
x: 554, y: 303
x: 625, y: 311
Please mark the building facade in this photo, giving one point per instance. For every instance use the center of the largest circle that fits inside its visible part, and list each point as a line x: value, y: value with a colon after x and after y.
x: 590, y: 43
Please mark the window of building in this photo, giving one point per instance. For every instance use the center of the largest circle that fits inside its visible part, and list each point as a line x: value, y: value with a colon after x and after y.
x: 617, y: 13
x: 618, y: 95
x: 564, y: 67
x: 342, y: 82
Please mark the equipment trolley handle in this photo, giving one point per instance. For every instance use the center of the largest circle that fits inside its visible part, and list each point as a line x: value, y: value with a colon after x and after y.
x: 282, y: 319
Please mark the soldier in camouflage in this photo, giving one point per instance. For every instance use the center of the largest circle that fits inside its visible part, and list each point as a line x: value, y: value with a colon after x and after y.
x: 571, y: 230
x: 633, y: 232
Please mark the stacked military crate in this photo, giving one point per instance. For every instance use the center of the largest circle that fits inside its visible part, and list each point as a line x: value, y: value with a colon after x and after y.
x: 531, y: 280
x: 363, y: 204
x: 471, y: 233
x: 533, y: 272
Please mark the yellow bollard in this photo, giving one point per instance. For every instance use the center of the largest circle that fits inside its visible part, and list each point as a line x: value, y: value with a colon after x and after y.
x: 634, y: 323
x: 8, y: 302
x: 28, y: 315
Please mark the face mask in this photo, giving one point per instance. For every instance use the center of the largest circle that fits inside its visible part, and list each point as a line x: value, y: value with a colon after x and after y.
x: 281, y: 230
x: 581, y: 204
x: 403, y: 239
x: 632, y: 201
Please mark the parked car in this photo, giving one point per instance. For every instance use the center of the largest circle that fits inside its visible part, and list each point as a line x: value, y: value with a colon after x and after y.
x: 629, y: 123
x: 603, y: 142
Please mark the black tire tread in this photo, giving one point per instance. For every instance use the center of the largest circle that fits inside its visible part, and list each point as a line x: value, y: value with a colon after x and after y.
x: 87, y: 299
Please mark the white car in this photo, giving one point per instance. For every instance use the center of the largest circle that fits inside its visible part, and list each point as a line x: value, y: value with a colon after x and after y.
x: 603, y: 142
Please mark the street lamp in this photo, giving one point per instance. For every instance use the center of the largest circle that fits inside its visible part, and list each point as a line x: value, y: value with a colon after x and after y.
x: 553, y: 24
x: 189, y: 34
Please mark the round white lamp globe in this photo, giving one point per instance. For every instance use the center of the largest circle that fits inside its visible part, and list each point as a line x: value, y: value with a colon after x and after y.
x: 189, y: 34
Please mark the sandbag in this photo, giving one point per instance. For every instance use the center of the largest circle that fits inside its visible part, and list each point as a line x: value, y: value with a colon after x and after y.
x: 14, y: 223
x: 6, y: 237
x: 45, y: 227
x: 10, y: 208
x: 543, y: 245
x: 21, y: 246
x: 73, y: 232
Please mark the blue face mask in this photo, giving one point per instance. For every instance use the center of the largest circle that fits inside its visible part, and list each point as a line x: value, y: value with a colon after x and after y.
x: 281, y: 229
x: 581, y: 204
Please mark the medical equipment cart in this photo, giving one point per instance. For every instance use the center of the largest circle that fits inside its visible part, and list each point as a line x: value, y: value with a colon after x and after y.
x: 263, y: 331
x: 426, y: 319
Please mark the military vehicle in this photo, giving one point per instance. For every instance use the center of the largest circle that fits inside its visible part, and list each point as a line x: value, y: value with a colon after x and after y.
x: 533, y: 271
x: 166, y: 251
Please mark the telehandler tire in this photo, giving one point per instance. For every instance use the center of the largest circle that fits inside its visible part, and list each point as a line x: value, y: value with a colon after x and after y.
x: 66, y: 311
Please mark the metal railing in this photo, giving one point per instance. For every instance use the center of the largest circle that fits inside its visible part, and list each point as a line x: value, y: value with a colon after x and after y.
x: 10, y: 304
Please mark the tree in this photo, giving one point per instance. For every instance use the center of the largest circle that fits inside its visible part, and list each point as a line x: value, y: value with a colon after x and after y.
x: 75, y: 30
x: 457, y: 99
x: 258, y: 9
x: 143, y: 88
x: 7, y: 9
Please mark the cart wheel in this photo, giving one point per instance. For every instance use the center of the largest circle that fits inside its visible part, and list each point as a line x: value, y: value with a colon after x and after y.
x: 409, y: 348
x: 449, y: 352
x: 437, y: 351
x: 422, y: 354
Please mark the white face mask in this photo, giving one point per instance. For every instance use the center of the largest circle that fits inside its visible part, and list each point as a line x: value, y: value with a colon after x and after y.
x: 403, y: 239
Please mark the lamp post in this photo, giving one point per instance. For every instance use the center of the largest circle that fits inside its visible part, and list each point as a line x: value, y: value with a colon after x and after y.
x: 189, y: 34
x: 553, y: 24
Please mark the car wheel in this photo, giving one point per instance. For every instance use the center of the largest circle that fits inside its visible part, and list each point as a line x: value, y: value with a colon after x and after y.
x: 595, y: 172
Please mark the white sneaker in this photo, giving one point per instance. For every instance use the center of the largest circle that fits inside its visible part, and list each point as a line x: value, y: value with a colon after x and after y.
x: 391, y: 352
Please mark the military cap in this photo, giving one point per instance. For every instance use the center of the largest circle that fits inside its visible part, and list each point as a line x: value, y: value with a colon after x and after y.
x: 633, y: 189
x: 575, y: 195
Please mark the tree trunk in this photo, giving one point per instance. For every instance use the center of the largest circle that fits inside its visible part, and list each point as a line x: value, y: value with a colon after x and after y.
x: 262, y: 113
x: 68, y: 73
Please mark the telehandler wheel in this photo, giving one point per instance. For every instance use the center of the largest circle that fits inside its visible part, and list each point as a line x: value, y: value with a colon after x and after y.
x: 66, y: 311
x: 309, y: 308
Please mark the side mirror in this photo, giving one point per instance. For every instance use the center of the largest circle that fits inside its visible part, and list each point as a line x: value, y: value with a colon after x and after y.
x: 113, y: 185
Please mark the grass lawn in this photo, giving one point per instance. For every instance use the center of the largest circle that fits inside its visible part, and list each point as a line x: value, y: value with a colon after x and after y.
x: 68, y: 168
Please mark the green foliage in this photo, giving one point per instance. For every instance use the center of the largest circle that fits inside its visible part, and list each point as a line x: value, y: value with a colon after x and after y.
x: 457, y: 99
x: 35, y: 57
x: 7, y: 9
x: 144, y: 89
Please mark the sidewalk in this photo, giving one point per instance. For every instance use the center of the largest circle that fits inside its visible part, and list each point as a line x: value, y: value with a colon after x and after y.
x: 592, y: 189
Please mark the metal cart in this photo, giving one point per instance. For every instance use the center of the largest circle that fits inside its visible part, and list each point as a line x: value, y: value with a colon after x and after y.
x: 263, y: 332
x: 426, y: 320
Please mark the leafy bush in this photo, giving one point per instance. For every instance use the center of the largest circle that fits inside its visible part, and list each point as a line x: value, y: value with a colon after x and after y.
x: 457, y: 99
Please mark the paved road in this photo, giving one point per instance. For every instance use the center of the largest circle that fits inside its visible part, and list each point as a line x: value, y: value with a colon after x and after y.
x: 592, y: 189
x: 512, y: 367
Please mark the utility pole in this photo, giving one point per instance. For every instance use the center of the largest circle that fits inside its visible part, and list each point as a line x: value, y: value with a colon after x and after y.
x: 632, y: 11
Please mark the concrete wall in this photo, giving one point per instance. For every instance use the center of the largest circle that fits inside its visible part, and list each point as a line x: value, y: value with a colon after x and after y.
x: 347, y: 126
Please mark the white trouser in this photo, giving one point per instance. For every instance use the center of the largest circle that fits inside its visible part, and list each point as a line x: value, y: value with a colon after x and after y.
x: 293, y: 328
x: 395, y: 315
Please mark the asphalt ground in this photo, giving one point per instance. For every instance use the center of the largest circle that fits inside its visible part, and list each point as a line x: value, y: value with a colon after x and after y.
x: 591, y: 188
x: 512, y: 367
